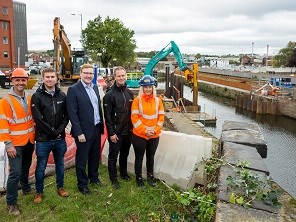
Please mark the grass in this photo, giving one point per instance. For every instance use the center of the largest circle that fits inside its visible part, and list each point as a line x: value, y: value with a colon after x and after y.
x: 129, y: 203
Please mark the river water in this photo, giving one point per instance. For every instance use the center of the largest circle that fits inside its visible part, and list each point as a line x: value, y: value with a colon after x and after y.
x: 279, y: 133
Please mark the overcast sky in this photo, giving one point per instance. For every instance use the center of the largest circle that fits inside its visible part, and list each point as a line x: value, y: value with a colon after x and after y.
x: 205, y: 27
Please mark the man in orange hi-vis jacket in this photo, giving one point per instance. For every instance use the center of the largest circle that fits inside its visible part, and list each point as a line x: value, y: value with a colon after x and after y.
x: 17, y: 132
x: 147, y: 119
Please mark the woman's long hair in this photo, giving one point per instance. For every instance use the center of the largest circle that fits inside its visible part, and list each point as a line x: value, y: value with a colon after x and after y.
x: 141, y: 91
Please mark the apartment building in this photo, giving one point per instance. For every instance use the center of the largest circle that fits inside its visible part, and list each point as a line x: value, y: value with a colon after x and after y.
x: 13, y: 34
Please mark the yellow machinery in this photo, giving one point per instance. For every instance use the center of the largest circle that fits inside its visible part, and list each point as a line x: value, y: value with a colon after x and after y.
x: 66, y: 62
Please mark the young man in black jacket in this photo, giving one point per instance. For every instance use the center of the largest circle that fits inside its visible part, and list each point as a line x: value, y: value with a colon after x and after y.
x: 117, y: 112
x: 49, y: 112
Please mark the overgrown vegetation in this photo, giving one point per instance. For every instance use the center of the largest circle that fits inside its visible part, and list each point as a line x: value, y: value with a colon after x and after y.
x: 244, y: 187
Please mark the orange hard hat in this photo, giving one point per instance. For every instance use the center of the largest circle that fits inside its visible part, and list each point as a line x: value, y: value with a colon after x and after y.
x: 19, y: 73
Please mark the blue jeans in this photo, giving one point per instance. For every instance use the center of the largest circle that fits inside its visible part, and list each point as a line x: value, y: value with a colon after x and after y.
x: 19, y: 172
x: 58, y: 148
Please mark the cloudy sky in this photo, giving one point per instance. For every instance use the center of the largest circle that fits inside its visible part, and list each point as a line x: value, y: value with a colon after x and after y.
x: 205, y: 27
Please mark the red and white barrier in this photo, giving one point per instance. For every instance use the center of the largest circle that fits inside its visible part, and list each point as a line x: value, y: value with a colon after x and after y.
x: 69, y: 160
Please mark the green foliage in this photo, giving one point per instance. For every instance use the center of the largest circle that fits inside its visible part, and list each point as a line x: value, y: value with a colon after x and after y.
x: 197, y: 56
x: 146, y: 54
x: 196, y: 205
x: 286, y: 56
x: 245, y: 187
x: 109, y: 41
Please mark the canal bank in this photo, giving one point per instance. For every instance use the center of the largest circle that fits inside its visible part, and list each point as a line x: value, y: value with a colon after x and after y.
x: 277, y: 105
x: 278, y: 131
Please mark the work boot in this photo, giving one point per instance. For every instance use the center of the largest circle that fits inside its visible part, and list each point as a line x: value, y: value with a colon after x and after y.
x: 125, y: 177
x: 27, y: 192
x: 62, y: 192
x: 115, y: 184
x: 151, y: 180
x: 38, y: 198
x: 13, y: 210
x: 140, y: 181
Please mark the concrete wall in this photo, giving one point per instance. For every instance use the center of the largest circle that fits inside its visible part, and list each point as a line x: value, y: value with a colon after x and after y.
x: 176, y: 158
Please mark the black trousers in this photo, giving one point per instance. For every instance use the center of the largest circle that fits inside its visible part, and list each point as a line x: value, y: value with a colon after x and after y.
x: 19, y: 172
x: 88, y: 152
x: 141, y: 146
x: 122, y: 147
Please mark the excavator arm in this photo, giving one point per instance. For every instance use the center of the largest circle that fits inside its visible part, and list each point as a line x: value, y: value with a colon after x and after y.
x: 62, y: 48
x: 169, y: 48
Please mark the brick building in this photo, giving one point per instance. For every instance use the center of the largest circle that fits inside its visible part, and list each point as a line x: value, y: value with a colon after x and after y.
x: 13, y: 34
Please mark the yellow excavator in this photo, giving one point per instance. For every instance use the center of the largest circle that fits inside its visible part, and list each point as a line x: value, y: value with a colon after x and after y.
x: 66, y: 62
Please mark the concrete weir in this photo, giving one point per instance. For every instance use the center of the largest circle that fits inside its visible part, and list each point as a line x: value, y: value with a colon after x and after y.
x: 176, y: 158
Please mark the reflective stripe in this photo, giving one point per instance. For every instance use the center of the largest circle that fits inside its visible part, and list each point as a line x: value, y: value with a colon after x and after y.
x: 21, y: 132
x: 156, y: 108
x: 16, y: 120
x: 2, y: 117
x: 160, y: 123
x: 161, y: 112
x: 4, y: 131
x: 11, y: 106
x: 149, y: 116
x: 137, y: 123
x: 135, y: 112
x: 150, y: 127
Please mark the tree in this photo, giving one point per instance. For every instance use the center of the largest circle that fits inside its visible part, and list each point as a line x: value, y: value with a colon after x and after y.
x: 109, y: 41
x: 286, y: 56
x: 198, y: 56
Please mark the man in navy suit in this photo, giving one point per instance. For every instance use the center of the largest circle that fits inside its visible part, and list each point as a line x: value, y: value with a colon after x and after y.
x: 85, y: 114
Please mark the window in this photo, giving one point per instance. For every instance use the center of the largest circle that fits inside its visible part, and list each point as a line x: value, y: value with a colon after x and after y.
x: 4, y: 25
x: 5, y: 10
x: 5, y: 40
x: 5, y: 55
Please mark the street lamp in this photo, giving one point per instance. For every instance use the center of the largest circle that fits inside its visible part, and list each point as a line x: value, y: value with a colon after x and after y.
x: 80, y: 26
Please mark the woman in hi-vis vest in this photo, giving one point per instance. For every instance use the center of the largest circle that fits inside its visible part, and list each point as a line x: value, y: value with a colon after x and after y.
x: 147, y: 118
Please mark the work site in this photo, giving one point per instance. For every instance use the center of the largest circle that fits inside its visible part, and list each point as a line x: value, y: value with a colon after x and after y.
x: 149, y: 134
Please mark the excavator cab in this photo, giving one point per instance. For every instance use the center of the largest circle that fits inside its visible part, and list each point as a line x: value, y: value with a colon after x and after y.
x: 78, y: 59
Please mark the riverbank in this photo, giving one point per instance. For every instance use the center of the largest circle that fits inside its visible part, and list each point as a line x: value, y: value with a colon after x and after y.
x: 280, y: 105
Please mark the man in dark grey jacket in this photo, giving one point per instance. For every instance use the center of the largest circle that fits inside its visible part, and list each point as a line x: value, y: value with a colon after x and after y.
x: 117, y: 112
x: 49, y: 112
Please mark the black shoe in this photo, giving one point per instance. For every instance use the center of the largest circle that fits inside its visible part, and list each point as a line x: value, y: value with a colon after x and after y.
x: 84, y: 190
x: 27, y: 192
x: 152, y: 181
x: 115, y: 185
x: 97, y: 183
x: 126, y: 177
x: 140, y: 182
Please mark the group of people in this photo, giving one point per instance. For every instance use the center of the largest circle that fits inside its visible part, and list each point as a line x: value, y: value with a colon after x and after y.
x: 41, y: 119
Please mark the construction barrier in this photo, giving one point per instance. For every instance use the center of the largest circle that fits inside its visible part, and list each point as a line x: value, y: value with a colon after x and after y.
x: 176, y: 158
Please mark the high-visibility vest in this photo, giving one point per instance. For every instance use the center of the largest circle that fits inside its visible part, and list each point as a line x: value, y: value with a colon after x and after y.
x: 147, y: 114
x: 16, y: 124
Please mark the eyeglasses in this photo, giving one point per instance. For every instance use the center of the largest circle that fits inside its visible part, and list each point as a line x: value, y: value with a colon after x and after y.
x: 88, y: 73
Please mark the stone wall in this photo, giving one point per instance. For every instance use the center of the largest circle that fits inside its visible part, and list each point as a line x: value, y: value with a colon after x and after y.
x: 242, y: 142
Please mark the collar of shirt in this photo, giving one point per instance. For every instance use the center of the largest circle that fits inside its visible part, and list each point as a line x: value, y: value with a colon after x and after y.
x: 11, y: 92
x: 87, y: 86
